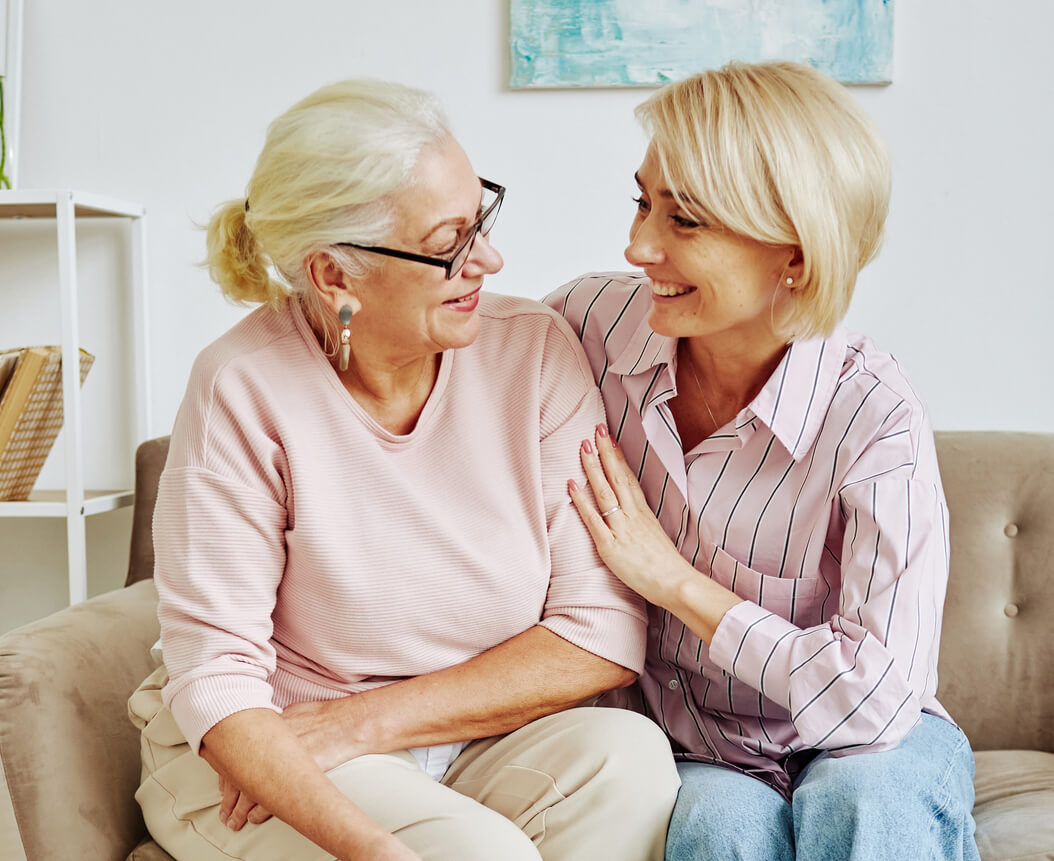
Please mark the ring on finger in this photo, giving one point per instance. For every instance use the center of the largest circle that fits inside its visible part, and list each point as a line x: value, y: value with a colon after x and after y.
x: 610, y: 511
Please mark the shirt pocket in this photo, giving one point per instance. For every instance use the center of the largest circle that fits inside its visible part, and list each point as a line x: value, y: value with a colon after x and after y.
x: 797, y: 599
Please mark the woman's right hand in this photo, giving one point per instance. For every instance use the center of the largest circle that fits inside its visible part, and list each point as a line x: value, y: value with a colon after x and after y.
x: 309, y: 721
x: 256, y: 748
x: 236, y: 808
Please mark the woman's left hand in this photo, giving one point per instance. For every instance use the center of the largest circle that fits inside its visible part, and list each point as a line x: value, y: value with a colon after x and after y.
x: 628, y: 536
x: 329, y: 734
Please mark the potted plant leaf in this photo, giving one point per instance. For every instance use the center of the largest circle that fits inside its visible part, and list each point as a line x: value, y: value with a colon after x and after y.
x: 4, y: 181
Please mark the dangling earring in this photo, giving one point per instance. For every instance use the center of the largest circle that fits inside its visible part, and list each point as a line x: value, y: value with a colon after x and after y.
x: 345, y: 336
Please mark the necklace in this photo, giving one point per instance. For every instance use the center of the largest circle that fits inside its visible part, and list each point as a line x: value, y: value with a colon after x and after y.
x: 699, y: 387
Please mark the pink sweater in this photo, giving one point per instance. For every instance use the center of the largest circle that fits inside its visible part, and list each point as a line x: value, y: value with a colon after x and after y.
x: 305, y: 553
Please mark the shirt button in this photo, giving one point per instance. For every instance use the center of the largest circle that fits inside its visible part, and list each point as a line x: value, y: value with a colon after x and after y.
x: 1010, y: 530
x: 1011, y: 610
x: 655, y: 631
x: 673, y: 684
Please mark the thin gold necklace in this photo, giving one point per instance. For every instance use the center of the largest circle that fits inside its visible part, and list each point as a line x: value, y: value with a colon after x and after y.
x: 699, y: 387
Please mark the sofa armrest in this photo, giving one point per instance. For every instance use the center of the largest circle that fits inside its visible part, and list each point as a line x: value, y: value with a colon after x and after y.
x: 69, y: 756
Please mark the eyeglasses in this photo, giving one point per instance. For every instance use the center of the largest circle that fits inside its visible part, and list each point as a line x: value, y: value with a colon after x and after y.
x: 493, y: 194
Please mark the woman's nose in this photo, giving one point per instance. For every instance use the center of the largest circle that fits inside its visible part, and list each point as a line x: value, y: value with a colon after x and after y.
x: 484, y: 257
x: 645, y: 243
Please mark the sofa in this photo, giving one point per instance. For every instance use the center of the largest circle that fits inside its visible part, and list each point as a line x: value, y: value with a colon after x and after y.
x: 69, y: 757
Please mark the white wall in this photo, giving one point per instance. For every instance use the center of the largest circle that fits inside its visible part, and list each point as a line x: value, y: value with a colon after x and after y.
x: 167, y: 104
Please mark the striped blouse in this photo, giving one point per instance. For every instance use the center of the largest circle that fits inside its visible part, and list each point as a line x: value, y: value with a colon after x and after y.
x: 820, y: 505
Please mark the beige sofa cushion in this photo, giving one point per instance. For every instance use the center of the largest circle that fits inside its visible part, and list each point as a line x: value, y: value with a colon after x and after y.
x: 148, y: 850
x: 1014, y: 806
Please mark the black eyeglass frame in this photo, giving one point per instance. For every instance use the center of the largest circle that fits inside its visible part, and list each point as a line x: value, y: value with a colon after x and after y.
x: 465, y: 247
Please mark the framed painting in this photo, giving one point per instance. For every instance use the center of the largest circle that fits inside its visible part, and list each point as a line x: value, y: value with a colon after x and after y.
x: 627, y: 43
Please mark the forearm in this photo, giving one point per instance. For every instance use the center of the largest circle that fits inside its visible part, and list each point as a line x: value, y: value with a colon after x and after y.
x: 837, y: 681
x: 695, y: 599
x: 259, y: 752
x: 531, y: 675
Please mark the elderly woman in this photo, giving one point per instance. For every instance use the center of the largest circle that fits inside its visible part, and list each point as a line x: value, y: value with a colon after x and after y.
x: 797, y: 556
x: 377, y: 608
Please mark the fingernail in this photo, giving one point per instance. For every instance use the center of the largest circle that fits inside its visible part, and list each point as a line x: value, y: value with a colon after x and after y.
x: 587, y: 446
x: 602, y: 430
x: 572, y: 486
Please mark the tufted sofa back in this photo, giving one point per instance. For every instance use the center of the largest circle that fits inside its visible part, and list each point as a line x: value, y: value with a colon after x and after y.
x: 997, y: 648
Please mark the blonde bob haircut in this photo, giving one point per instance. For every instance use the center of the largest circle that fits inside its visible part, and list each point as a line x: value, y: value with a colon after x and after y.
x: 326, y: 169
x: 784, y: 155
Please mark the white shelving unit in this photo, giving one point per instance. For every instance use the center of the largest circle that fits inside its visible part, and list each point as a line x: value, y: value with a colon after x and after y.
x: 75, y: 503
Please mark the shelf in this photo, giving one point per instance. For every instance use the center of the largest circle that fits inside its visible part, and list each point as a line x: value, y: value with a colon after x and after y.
x: 44, y: 203
x: 52, y: 503
x: 64, y: 208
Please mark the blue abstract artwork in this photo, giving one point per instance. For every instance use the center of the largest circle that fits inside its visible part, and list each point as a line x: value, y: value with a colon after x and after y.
x: 625, y: 43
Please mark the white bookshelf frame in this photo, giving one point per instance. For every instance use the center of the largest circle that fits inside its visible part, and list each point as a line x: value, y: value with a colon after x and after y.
x: 12, y: 13
x: 75, y: 503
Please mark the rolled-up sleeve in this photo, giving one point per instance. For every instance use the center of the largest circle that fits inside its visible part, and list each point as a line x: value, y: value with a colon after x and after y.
x: 586, y: 604
x: 219, y: 554
x: 218, y: 562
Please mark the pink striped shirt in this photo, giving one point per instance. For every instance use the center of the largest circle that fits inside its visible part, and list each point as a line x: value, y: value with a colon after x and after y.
x: 820, y: 505
x: 303, y: 552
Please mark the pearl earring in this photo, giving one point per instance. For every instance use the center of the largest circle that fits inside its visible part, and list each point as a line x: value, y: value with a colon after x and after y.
x: 790, y: 281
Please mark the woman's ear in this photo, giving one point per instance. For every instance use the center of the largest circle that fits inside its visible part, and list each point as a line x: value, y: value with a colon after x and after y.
x: 332, y: 284
x: 795, y: 269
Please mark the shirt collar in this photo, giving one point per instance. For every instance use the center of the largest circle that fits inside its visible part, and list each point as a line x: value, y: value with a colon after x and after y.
x: 795, y: 400
x: 643, y: 351
x: 792, y: 403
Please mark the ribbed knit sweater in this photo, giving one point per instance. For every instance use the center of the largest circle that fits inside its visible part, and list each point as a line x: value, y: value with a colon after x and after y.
x: 303, y: 552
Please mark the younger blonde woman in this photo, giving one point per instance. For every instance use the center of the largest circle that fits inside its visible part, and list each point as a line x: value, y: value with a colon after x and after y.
x: 774, y: 493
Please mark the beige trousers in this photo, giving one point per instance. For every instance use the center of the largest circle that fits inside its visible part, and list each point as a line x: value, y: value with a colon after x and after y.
x: 587, y: 783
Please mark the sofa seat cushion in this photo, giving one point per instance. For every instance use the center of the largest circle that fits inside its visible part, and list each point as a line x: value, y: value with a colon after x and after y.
x: 1013, y: 804
x: 148, y: 850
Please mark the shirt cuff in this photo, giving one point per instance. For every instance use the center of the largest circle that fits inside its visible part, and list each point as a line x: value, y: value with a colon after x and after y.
x: 744, y: 642
x: 200, y: 705
x: 614, y: 635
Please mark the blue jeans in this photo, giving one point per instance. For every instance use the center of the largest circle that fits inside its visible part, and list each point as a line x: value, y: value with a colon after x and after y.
x: 914, y: 801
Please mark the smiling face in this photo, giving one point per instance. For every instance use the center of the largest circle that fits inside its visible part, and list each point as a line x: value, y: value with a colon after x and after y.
x: 409, y: 309
x: 706, y: 281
